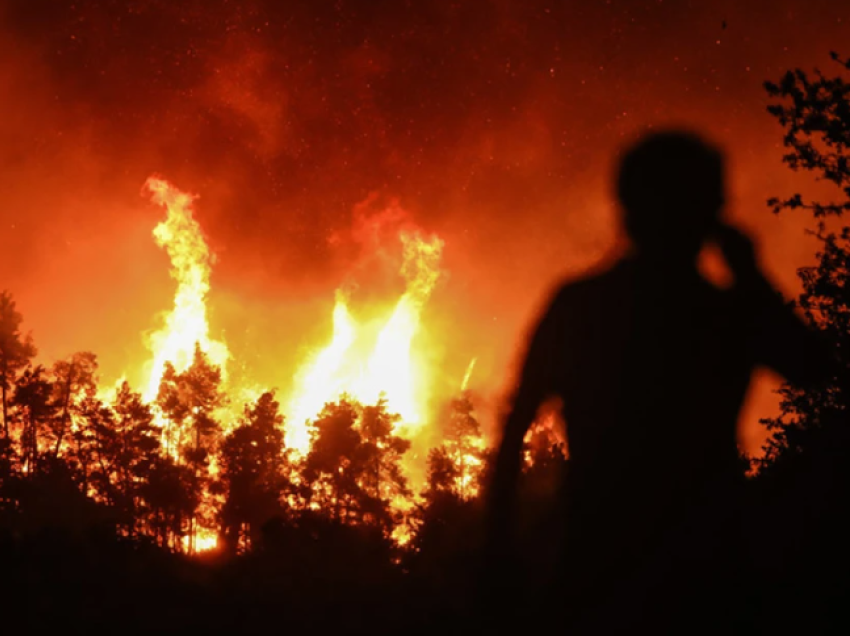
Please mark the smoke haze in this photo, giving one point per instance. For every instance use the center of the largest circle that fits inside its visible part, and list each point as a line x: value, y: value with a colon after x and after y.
x: 313, y: 131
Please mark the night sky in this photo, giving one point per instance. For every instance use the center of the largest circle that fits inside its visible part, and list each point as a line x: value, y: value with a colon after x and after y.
x: 493, y: 124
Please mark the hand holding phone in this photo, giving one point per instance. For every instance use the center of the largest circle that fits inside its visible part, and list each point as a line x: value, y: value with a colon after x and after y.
x: 737, y: 249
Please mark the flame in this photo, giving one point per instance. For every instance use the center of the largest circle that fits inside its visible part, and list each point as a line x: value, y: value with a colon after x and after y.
x: 470, y: 465
x: 186, y: 324
x: 106, y: 392
x: 191, y: 261
x: 202, y: 540
x: 467, y: 375
x: 390, y: 368
x: 367, y: 360
x: 318, y: 380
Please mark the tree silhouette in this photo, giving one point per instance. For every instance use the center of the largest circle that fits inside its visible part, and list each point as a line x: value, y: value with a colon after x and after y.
x: 125, y: 446
x: 33, y: 400
x: 253, y: 475
x: 444, y: 519
x: 443, y: 473
x: 464, y: 446
x: 803, y: 478
x: 189, y: 401
x: 16, y: 350
x: 330, y: 466
x: 379, y: 460
x: 447, y: 532
x: 172, y: 493
x: 455, y: 466
x: 816, y: 116
x: 81, y: 452
x: 354, y: 465
x: 73, y: 381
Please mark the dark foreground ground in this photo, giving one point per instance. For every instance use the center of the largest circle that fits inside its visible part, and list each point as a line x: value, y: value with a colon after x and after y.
x: 340, y: 581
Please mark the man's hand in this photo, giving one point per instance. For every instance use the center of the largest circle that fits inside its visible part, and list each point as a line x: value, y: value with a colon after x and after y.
x: 738, y: 250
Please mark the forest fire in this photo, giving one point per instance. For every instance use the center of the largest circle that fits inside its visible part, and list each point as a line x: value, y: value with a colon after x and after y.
x: 186, y: 324
x: 365, y: 365
x: 366, y: 362
x: 268, y: 271
x: 360, y: 361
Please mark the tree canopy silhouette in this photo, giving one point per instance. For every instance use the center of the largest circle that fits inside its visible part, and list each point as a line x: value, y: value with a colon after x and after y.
x: 804, y: 479
x: 16, y: 350
x: 815, y: 113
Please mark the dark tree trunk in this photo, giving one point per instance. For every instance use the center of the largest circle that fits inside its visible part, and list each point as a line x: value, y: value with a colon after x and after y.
x: 33, y: 442
x: 66, y: 408
x: 4, y: 380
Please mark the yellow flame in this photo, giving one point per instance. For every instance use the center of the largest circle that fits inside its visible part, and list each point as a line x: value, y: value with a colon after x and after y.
x: 191, y: 261
x: 467, y: 375
x: 318, y: 381
x: 389, y: 368
x: 186, y: 324
x: 360, y: 360
x: 107, y: 392
x: 470, y: 466
x: 202, y: 540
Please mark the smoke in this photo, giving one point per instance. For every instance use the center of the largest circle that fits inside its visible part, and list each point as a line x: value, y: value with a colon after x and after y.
x: 494, y: 124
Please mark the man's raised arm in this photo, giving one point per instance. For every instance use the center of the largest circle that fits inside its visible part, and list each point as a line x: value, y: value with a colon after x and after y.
x: 781, y: 340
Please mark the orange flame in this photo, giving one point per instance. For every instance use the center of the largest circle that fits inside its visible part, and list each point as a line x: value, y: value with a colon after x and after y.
x: 366, y: 360
x: 319, y: 382
x: 191, y: 261
x: 348, y: 365
x: 203, y: 540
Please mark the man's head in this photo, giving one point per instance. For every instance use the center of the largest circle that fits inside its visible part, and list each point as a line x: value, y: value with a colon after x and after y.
x: 670, y: 185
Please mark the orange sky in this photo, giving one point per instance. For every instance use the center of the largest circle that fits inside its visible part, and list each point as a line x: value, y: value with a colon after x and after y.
x: 494, y: 124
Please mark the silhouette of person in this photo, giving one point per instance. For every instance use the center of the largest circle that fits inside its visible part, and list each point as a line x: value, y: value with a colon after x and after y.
x: 651, y: 363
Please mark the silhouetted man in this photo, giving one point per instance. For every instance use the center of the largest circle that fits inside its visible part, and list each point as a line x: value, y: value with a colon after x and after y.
x: 652, y: 363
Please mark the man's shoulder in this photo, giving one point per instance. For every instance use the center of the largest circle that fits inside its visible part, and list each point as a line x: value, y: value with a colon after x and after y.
x: 599, y: 279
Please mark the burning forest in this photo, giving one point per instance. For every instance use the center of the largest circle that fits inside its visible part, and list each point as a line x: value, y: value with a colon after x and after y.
x: 194, y: 460
x: 272, y: 282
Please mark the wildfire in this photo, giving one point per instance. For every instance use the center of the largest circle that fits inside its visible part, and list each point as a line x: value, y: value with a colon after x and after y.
x: 203, y: 540
x: 186, y: 324
x: 347, y: 365
x: 367, y: 360
x: 319, y: 382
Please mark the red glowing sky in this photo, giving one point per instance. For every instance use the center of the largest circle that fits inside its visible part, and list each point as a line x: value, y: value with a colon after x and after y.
x: 494, y: 124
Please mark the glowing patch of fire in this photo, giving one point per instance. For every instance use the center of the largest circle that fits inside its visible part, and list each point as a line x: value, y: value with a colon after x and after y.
x: 346, y: 365
x: 186, y: 324
x: 359, y: 361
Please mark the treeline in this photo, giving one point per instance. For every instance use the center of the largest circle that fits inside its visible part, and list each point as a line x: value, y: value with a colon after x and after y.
x: 166, y: 473
x: 99, y: 485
